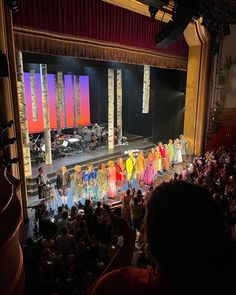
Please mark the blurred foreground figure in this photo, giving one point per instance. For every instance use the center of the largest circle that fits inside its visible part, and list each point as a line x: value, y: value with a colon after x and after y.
x: 187, y: 237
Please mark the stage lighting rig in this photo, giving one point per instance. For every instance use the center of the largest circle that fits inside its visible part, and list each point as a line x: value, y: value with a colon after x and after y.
x: 215, y: 14
x: 155, y: 3
x: 153, y: 11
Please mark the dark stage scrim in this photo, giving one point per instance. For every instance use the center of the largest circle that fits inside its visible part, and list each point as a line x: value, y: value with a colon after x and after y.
x: 37, y: 126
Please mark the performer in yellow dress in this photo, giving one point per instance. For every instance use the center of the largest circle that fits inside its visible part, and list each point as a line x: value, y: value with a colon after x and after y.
x: 158, y: 154
x: 130, y: 168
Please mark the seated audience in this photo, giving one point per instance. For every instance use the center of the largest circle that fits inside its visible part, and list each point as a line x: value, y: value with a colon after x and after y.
x: 64, y: 241
x: 184, y: 247
x: 186, y: 235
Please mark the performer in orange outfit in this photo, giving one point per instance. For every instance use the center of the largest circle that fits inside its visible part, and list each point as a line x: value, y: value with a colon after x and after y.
x: 120, y: 172
x: 154, y: 159
x: 140, y: 168
x: 111, y: 177
x: 167, y: 158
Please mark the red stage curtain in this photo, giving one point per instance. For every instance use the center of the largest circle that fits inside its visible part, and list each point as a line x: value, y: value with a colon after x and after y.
x: 95, y: 19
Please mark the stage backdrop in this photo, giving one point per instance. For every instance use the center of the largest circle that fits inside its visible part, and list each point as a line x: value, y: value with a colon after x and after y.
x: 168, y: 103
x: 37, y: 126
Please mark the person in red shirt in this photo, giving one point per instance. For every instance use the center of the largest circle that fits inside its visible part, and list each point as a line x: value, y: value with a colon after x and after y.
x: 187, y: 237
x: 163, y: 155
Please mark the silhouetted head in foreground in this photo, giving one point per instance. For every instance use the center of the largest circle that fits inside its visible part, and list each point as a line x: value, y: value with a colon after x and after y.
x: 187, y: 236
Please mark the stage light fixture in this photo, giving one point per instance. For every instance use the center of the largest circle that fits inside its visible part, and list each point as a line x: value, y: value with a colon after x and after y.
x: 155, y: 3
x: 214, y: 14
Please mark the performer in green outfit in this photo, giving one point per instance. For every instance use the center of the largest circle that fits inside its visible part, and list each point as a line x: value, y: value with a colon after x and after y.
x: 171, y: 152
x: 102, y: 182
x: 79, y: 189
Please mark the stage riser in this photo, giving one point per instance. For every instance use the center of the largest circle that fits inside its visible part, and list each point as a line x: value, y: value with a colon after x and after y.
x: 32, y: 186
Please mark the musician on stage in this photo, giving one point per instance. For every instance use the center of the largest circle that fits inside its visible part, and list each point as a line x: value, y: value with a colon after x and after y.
x: 97, y: 131
x: 63, y: 184
x: 87, y: 135
x: 41, y: 181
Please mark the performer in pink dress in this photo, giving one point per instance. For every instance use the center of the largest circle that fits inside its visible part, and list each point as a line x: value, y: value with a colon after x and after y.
x: 149, y: 172
x: 163, y: 155
x: 111, y: 176
x: 140, y: 168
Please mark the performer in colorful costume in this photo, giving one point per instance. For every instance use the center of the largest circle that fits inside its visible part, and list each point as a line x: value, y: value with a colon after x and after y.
x: 149, y: 172
x: 171, y: 151
x: 90, y: 179
x: 78, y: 190
x: 140, y: 168
x: 162, y: 152
x: 178, y: 153
x: 102, y: 182
x: 130, y: 168
x: 183, y: 145
x: 120, y: 172
x: 154, y: 161
x: 111, y: 177
x: 167, y: 158
x: 159, y: 164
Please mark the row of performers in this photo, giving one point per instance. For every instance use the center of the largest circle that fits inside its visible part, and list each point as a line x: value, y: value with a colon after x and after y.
x: 104, y: 182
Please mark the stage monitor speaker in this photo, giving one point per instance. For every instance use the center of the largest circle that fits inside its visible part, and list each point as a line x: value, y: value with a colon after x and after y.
x: 3, y: 65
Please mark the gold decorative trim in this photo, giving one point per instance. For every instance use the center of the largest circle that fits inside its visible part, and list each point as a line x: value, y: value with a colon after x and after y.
x: 164, y: 14
x: 29, y: 40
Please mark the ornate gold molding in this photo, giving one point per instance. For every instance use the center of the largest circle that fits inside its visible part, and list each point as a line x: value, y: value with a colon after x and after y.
x: 197, y: 84
x: 29, y: 40
x: 163, y: 15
